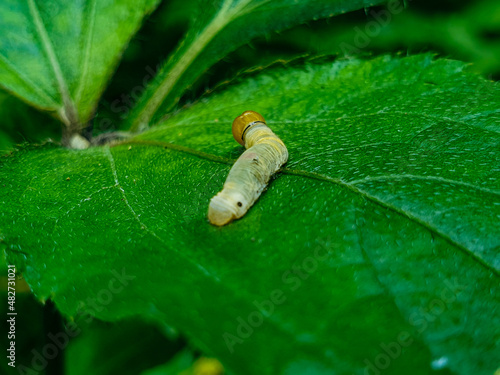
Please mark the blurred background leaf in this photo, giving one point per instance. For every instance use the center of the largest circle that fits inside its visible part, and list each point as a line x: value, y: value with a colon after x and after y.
x: 422, y: 26
x: 469, y: 33
x: 126, y: 347
x: 58, y: 55
x: 20, y: 123
x: 465, y: 30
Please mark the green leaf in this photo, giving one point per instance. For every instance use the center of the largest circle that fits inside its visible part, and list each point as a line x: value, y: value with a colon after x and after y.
x: 127, y: 347
x: 219, y: 27
x: 58, y: 55
x: 376, y: 246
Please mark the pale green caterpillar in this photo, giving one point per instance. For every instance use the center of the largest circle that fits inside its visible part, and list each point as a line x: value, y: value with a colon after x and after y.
x: 265, y: 154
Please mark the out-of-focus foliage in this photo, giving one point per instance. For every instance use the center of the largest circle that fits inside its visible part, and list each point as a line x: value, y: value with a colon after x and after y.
x: 127, y: 347
x: 58, y: 55
x: 20, y: 123
x: 471, y: 33
x: 465, y: 30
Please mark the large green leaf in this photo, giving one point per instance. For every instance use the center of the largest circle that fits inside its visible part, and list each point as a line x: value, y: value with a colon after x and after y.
x: 58, y: 55
x: 378, y: 243
x: 219, y: 27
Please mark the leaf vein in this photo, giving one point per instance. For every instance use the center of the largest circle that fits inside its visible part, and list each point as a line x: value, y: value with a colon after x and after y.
x: 70, y: 115
x: 88, y: 43
x: 46, y: 96
x: 108, y: 154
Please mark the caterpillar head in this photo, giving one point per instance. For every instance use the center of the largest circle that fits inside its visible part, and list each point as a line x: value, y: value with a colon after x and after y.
x: 227, y: 206
x: 242, y: 122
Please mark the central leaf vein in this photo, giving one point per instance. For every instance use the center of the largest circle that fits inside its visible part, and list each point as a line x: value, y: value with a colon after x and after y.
x: 69, y: 114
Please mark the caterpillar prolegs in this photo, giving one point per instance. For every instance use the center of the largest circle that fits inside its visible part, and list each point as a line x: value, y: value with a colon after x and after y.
x: 265, y: 154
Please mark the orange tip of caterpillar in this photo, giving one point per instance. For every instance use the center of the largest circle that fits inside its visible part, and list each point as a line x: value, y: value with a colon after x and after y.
x: 241, y: 123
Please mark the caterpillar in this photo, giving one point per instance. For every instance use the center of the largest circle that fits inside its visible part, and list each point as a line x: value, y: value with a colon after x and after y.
x: 265, y: 154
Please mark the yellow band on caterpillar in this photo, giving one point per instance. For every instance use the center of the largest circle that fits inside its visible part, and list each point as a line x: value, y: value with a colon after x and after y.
x: 248, y: 177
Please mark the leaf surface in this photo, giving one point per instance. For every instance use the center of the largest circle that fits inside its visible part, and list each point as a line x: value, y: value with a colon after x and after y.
x: 380, y: 236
